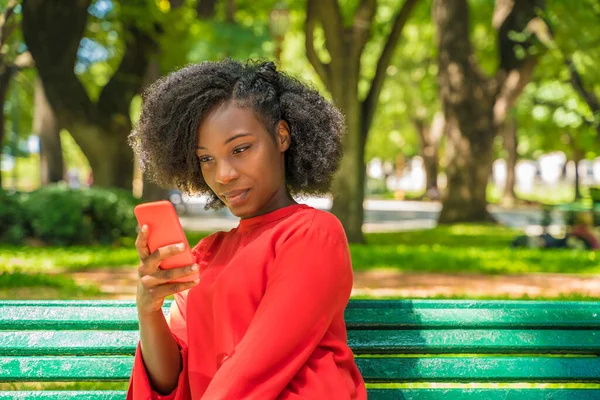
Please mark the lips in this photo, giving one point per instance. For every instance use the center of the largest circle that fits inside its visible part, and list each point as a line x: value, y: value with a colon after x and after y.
x: 236, y: 197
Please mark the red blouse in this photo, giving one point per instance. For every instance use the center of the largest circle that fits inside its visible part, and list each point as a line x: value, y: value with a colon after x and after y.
x: 266, y: 320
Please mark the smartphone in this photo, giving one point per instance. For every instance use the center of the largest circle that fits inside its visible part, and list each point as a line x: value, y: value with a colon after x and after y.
x: 165, y: 229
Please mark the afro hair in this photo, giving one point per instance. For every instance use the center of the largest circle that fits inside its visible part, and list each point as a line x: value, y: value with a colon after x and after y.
x: 173, y: 107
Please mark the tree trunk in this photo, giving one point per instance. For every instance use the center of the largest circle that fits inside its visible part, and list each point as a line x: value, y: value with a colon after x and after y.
x: 475, y: 105
x: 5, y: 76
x: 510, y: 146
x: 429, y: 138
x: 53, y: 30
x: 469, y: 118
x: 577, y: 157
x: 340, y: 75
x: 45, y: 125
x: 349, y: 182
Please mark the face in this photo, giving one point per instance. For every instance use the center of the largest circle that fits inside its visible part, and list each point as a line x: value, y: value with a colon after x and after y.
x: 241, y: 161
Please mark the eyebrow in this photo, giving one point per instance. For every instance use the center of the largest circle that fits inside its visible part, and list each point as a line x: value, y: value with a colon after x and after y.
x: 231, y: 139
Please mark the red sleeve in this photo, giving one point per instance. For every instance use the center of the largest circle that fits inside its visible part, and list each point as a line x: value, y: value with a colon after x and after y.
x: 139, y: 384
x: 309, y: 283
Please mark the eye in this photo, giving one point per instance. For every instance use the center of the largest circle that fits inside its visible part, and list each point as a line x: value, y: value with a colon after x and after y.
x: 204, y: 159
x: 240, y: 150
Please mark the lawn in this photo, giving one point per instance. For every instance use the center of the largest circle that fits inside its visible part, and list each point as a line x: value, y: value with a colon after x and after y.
x: 462, y: 248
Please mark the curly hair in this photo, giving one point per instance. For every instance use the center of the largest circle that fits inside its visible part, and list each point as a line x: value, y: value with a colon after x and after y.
x: 175, y: 105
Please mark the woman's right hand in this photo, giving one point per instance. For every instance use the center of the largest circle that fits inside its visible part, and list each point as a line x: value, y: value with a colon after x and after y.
x: 154, y: 284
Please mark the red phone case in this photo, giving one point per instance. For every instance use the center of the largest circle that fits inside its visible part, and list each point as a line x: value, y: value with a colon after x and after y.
x: 164, y: 229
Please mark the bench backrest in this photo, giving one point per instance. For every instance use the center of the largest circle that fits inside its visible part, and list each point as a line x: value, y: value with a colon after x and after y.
x: 404, y: 349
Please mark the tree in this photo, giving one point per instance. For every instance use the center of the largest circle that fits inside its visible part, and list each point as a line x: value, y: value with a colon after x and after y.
x: 475, y: 105
x: 46, y: 126
x: 345, y: 41
x: 53, y: 30
x: 12, y: 60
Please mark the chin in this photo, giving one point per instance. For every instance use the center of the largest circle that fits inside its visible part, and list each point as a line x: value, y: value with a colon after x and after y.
x: 244, y: 211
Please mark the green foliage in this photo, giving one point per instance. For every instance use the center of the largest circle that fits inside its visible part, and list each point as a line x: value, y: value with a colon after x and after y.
x: 58, y: 215
x: 12, y: 218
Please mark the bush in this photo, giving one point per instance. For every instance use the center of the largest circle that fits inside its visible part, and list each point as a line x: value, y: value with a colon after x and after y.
x: 12, y: 219
x: 61, y: 216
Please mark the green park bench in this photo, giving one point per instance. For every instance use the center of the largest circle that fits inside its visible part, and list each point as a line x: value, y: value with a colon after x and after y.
x: 478, y: 349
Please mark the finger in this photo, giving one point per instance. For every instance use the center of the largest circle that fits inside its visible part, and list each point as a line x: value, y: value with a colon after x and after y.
x: 168, y: 289
x: 163, y: 276
x: 141, y: 243
x: 165, y: 252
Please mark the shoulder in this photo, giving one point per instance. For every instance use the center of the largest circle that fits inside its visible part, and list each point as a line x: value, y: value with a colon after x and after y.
x: 310, y: 222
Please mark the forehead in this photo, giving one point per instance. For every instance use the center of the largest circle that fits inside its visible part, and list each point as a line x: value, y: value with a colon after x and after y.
x: 226, y: 119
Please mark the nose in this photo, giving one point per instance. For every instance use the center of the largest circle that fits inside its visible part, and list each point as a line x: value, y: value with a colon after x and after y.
x: 226, y: 173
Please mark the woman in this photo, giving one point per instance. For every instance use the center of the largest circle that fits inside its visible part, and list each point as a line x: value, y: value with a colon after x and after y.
x: 265, y: 319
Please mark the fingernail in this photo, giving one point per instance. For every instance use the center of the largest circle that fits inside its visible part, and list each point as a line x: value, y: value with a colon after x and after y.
x: 196, y: 280
x: 179, y: 246
x: 195, y: 267
x: 144, y: 228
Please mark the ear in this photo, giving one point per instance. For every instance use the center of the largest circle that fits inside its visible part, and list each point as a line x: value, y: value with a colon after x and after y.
x: 283, y: 137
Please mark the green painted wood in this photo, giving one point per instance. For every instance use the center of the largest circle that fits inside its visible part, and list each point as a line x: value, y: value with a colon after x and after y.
x: 58, y: 315
x: 64, y: 394
x: 484, y: 394
x: 480, y: 369
x: 474, y: 341
x: 36, y: 343
x: 68, y: 343
x: 367, y: 314
x: 423, y: 369
x: 360, y: 314
x: 52, y: 369
x: 374, y: 394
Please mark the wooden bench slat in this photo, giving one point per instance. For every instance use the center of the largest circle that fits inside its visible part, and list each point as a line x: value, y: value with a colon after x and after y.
x: 374, y: 394
x: 30, y: 343
x: 50, y: 369
x: 510, y: 317
x: 480, y: 369
x: 474, y: 341
x: 484, y: 394
x: 405, y: 369
x: 68, y: 343
x: 360, y: 314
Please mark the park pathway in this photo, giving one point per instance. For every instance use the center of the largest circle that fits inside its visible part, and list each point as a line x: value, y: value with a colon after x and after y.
x: 121, y: 284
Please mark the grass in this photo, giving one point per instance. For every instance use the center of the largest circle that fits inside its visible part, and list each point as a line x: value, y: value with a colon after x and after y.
x: 448, y: 249
x: 16, y: 284
x: 481, y: 249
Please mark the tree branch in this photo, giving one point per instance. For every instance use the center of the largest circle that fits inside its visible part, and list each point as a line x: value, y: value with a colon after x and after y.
x: 52, y: 30
x: 361, y: 29
x: 127, y: 81
x: 588, y: 96
x: 205, y: 8
x: 320, y: 67
x: 6, y: 25
x: 369, y: 104
x: 512, y: 87
x: 332, y: 22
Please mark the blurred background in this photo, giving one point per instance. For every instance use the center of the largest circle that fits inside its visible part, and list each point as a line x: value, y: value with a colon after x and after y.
x: 472, y: 159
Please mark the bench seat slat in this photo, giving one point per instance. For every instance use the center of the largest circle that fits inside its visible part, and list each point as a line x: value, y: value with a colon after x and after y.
x: 425, y: 369
x: 30, y: 343
x: 68, y: 343
x: 77, y: 369
x: 360, y: 314
x: 483, y: 394
x: 374, y: 394
x: 474, y: 341
x: 480, y: 369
